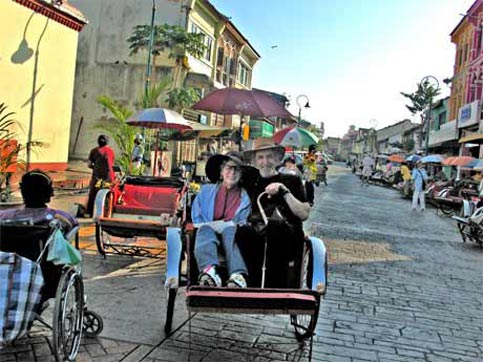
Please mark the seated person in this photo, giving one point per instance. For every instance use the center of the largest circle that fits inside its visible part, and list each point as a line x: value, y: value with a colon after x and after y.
x: 224, y: 201
x: 286, y: 207
x: 290, y: 167
x: 36, y: 189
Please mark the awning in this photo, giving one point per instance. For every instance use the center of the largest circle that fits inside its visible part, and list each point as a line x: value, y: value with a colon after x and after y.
x: 205, y: 131
x: 472, y: 138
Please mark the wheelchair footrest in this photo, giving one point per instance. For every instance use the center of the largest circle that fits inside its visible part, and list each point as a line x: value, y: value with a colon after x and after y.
x: 252, y: 300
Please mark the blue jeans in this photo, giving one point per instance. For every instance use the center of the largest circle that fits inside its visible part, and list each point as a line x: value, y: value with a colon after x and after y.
x: 208, y: 243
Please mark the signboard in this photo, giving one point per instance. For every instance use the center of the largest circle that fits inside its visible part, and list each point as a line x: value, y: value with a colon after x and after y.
x: 468, y: 115
x: 260, y: 129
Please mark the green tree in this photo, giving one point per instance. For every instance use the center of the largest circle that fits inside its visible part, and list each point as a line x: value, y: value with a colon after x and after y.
x: 173, y: 39
x: 421, y: 99
x: 182, y: 98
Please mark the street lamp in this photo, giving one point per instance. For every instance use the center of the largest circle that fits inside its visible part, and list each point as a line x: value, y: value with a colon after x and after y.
x: 307, y: 105
x: 150, y: 49
x: 433, y: 82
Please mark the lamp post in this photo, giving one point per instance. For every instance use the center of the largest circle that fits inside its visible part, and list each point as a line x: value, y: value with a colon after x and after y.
x: 433, y: 82
x: 307, y: 105
x: 150, y: 49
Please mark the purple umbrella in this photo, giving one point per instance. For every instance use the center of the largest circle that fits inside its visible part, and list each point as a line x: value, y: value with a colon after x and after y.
x: 244, y: 102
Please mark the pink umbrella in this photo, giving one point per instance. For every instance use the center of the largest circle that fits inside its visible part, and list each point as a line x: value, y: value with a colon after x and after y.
x: 244, y: 102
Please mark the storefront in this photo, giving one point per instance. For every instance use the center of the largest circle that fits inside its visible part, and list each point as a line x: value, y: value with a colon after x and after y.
x: 469, y: 119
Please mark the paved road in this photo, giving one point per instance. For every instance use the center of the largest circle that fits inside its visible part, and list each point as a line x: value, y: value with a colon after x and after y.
x: 403, y: 287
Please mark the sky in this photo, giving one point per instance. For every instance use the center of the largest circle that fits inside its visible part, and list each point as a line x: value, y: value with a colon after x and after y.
x: 350, y: 58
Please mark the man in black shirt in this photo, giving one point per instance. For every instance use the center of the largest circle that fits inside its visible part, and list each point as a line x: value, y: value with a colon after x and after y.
x: 286, y: 208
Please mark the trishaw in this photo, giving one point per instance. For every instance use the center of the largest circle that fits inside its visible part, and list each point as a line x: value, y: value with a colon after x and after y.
x: 302, y: 304
x: 33, y: 281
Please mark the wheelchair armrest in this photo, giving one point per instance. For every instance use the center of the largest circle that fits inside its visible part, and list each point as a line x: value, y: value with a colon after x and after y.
x: 319, y: 265
x: 174, y: 248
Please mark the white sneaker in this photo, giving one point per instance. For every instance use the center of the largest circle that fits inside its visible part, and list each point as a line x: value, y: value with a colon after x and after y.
x: 236, y: 281
x: 209, y: 277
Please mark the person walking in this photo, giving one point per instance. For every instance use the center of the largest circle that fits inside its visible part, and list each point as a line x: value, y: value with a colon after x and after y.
x: 101, y: 161
x: 419, y: 177
x: 310, y: 173
x: 406, y: 176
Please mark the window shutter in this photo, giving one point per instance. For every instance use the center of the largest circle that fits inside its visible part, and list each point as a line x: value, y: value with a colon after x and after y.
x: 219, y: 60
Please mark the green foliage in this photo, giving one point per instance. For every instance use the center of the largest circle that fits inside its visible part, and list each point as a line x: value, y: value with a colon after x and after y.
x: 172, y: 38
x: 421, y: 98
x: 10, y: 150
x: 182, y: 98
x: 155, y: 95
x: 122, y: 133
x: 409, y: 145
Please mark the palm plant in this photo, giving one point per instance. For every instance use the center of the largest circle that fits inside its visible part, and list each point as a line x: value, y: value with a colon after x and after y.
x: 10, y: 150
x: 122, y: 133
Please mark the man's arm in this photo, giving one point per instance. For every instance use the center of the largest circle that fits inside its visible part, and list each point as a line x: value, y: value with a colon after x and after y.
x: 298, y: 208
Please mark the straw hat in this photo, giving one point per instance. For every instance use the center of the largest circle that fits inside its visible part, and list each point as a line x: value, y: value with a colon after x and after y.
x: 262, y: 144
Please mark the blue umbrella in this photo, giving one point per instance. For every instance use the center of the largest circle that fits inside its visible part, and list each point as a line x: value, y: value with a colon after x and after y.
x: 475, y: 164
x: 413, y: 158
x: 432, y: 159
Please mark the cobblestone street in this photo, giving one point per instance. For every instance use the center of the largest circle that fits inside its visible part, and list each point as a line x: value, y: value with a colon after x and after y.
x: 402, y: 287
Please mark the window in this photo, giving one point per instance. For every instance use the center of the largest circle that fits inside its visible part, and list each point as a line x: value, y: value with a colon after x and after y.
x: 244, y: 74
x: 441, y: 118
x: 208, y: 41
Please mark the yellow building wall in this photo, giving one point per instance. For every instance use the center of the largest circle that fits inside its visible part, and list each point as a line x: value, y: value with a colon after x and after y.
x: 37, y: 69
x: 462, y: 39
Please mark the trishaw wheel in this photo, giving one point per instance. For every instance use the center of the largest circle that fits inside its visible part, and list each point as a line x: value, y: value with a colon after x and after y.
x: 170, y: 299
x: 101, y: 247
x: 93, y: 324
x: 446, y: 209
x: 304, y: 324
x: 68, y: 315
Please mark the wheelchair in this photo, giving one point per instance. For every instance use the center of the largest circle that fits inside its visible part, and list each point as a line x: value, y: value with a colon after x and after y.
x: 63, y: 282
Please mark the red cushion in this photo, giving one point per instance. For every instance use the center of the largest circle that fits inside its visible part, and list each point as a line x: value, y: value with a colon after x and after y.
x: 146, y: 200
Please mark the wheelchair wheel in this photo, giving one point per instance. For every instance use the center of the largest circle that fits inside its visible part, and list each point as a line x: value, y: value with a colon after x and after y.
x: 93, y: 324
x: 68, y: 313
x: 304, y: 324
x: 170, y: 299
x: 101, y: 238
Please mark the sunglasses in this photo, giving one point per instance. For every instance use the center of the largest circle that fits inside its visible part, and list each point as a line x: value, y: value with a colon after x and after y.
x: 232, y: 168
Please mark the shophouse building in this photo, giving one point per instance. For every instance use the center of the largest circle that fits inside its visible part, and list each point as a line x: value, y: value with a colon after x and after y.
x: 391, y: 139
x: 465, y: 104
x: 443, y: 134
x: 38, y: 53
x: 105, y: 66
